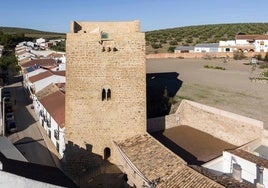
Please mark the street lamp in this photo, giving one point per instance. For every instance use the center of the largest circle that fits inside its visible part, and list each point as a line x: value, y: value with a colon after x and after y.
x: 3, y: 117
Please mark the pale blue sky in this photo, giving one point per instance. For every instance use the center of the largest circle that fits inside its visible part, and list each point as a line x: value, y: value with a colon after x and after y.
x: 56, y: 15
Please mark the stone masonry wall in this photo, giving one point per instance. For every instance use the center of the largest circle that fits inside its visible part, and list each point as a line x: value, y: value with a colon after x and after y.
x: 230, y: 127
x: 200, y: 55
x: 116, y: 63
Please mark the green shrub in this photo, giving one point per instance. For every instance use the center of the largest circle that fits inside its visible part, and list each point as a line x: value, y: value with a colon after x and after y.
x: 265, y: 73
x: 239, y: 55
x: 212, y: 67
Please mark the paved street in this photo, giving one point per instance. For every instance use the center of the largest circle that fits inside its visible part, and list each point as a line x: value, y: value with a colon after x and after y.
x: 30, y: 139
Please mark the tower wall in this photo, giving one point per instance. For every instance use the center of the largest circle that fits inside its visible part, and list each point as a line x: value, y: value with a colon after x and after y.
x: 105, y: 85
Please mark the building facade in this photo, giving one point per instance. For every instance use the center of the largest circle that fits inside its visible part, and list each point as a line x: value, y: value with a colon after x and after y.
x: 105, y: 86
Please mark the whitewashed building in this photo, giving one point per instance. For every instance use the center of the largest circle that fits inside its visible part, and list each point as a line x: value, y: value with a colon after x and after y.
x: 227, y: 46
x: 254, y: 43
x: 206, y: 47
x: 52, y: 118
x: 243, y: 165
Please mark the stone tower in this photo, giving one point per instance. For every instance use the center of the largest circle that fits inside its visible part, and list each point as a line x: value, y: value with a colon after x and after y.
x: 105, y: 85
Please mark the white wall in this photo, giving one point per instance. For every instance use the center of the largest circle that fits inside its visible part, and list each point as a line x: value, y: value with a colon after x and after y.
x: 54, y: 126
x: 249, y: 169
x: 41, y: 84
x: 260, y: 47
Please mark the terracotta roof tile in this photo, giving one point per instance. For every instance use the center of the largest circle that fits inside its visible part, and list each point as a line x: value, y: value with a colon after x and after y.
x: 59, y: 73
x: 155, y: 161
x: 251, y: 37
x: 51, y: 88
x: 224, y: 179
x: 55, y: 106
x: 40, y: 76
x: 40, y: 62
x: 250, y: 157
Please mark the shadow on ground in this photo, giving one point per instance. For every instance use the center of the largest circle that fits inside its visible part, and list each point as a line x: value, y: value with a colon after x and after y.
x: 88, y: 169
x: 34, y: 170
x: 160, y: 88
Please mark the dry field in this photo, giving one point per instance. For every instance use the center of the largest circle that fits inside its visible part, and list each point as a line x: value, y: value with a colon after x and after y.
x: 229, y: 89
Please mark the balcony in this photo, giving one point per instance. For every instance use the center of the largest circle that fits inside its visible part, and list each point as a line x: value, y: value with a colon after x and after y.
x: 56, y: 134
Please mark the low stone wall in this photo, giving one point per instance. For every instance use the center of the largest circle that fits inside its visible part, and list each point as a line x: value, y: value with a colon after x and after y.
x: 199, y: 55
x: 230, y: 127
x: 161, y: 123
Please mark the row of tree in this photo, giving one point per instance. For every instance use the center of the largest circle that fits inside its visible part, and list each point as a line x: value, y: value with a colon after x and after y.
x: 191, y: 35
x: 9, y: 41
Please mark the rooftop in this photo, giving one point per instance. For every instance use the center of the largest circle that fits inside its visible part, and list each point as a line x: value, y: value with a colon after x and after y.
x: 40, y: 76
x: 208, y: 45
x: 251, y: 37
x: 55, y: 106
x: 194, y: 146
x: 51, y: 88
x: 39, y: 62
x: 155, y: 161
x: 250, y: 157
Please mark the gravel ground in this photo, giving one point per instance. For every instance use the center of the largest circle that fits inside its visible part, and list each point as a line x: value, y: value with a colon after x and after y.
x: 229, y: 89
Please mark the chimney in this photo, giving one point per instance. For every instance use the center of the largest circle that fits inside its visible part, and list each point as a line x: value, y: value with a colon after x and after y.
x: 237, y: 172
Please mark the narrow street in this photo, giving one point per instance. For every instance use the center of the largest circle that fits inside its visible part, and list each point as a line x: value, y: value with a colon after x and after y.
x: 30, y: 139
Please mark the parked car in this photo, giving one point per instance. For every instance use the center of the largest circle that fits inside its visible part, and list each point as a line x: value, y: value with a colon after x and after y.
x: 6, y: 93
x: 11, y: 126
x: 9, y: 116
x: 8, y: 107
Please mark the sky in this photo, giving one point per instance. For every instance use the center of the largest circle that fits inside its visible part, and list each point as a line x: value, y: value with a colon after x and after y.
x: 56, y: 15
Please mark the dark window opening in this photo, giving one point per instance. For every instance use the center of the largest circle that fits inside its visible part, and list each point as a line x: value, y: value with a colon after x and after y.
x: 107, y: 153
x: 227, y: 50
x: 57, y: 146
x: 109, y: 94
x: 104, y: 35
x: 103, y: 95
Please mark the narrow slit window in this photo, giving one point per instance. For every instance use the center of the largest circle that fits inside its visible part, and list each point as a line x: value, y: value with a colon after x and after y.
x: 103, y: 95
x: 108, y: 95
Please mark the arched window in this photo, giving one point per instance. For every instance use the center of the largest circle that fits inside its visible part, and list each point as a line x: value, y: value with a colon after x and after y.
x: 108, y: 95
x: 107, y: 153
x: 103, y: 95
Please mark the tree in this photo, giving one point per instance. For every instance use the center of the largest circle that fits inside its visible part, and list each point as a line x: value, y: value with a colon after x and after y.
x: 171, y: 49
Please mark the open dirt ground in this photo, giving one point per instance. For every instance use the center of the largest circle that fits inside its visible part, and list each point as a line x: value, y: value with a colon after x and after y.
x: 229, y: 89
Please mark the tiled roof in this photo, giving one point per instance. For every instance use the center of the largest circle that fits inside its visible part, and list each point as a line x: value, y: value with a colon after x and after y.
x: 40, y: 76
x: 55, y: 106
x: 55, y: 55
x: 250, y: 157
x: 155, y: 161
x: 40, y: 62
x: 203, y: 148
x: 59, y: 73
x: 223, y: 179
x: 51, y: 88
x: 251, y: 37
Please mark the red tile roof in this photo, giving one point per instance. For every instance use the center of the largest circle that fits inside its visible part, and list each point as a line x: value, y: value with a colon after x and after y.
x: 250, y: 157
x: 251, y: 37
x: 40, y: 76
x: 59, y: 73
x: 55, y: 55
x: 55, y: 106
x: 40, y: 62
x: 155, y: 161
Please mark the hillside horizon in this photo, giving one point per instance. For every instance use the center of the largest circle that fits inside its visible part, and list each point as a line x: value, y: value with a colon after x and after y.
x: 166, y: 40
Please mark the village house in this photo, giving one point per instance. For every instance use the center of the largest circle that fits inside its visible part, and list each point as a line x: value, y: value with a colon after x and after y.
x: 49, y: 105
x: 184, y: 49
x: 227, y: 46
x: 206, y: 47
x: 254, y: 43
